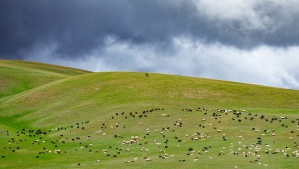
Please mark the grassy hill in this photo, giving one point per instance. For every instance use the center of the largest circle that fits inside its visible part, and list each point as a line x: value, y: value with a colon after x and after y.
x: 194, y: 120
x: 18, y: 76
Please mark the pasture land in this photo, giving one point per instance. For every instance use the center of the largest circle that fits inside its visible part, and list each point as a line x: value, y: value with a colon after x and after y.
x: 57, y: 117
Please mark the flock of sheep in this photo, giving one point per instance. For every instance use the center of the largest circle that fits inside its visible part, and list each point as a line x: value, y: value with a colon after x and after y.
x: 157, y: 142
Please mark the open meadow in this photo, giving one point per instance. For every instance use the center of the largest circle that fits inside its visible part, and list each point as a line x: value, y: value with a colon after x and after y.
x: 59, y: 117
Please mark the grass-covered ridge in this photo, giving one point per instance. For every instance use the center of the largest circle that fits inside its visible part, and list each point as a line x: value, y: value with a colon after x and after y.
x: 18, y: 76
x: 128, y: 106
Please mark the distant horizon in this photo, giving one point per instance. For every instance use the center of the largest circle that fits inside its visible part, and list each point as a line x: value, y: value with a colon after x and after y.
x: 156, y: 73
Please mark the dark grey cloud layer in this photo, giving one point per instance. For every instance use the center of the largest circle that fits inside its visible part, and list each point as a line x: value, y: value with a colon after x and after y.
x: 80, y: 26
x: 252, y: 41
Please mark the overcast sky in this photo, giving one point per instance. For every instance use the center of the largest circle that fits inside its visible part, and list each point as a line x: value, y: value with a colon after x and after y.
x: 250, y: 41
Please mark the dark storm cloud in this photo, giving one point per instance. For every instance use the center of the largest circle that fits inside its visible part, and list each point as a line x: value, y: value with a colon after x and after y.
x: 77, y: 27
x: 80, y: 26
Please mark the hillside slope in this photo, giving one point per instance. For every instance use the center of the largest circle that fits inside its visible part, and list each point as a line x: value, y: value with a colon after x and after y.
x: 91, y: 94
x: 18, y: 76
x: 57, y: 117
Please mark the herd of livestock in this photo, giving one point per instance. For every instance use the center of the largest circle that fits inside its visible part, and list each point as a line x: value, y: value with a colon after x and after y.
x: 154, y: 141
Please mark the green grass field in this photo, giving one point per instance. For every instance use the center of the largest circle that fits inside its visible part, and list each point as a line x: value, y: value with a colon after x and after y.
x: 58, y: 117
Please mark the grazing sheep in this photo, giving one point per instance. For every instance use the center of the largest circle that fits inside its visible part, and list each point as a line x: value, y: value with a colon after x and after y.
x: 158, y: 144
x: 220, y: 153
x: 57, y: 151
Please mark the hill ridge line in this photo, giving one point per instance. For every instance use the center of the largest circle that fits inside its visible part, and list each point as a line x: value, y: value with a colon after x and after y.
x: 35, y: 70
